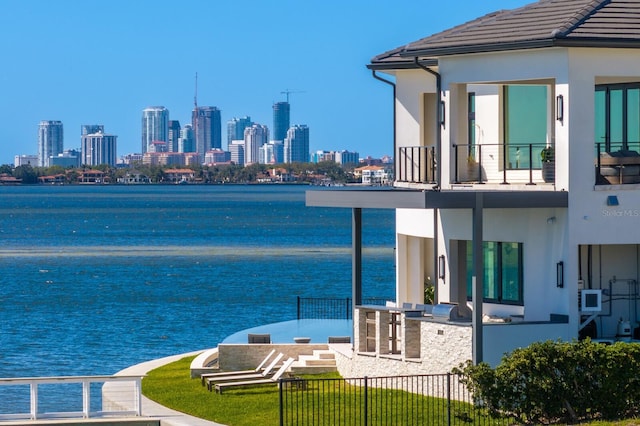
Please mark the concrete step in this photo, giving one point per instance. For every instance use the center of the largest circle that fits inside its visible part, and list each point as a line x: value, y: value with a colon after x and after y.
x: 311, y: 360
x: 322, y: 361
x: 323, y: 354
x: 300, y: 369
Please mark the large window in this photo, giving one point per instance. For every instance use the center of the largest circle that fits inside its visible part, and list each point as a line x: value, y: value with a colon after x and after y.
x: 525, y: 124
x: 617, y: 117
x: 502, y: 272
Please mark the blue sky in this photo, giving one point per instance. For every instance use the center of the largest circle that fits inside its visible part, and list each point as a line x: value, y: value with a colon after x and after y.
x: 102, y: 62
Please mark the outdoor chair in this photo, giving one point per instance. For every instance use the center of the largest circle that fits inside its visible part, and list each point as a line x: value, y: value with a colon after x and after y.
x: 339, y: 339
x: 273, y: 379
x: 259, y: 338
x: 258, y: 369
x: 268, y: 371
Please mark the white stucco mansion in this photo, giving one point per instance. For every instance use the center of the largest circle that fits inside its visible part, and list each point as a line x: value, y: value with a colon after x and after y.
x: 517, y: 187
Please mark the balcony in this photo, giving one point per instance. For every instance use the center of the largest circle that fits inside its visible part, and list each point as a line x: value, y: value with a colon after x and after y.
x: 524, y: 164
x: 617, y: 163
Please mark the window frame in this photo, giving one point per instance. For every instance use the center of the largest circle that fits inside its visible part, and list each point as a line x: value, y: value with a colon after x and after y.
x: 498, y: 270
x: 607, y: 89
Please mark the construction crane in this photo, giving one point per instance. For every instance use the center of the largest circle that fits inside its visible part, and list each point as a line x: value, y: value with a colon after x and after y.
x: 288, y: 92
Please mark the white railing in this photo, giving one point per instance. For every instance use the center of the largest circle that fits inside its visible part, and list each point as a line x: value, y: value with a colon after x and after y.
x: 120, y: 396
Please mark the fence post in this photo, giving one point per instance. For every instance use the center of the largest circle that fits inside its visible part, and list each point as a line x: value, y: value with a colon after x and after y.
x: 298, y: 307
x: 33, y: 388
x: 366, y: 402
x: 348, y: 307
x: 448, y: 398
x: 280, y: 385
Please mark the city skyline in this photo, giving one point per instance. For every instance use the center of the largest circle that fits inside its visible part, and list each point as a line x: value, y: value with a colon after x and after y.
x: 318, y: 56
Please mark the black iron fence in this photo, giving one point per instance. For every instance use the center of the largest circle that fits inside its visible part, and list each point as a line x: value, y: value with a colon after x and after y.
x: 331, y: 308
x: 439, y: 399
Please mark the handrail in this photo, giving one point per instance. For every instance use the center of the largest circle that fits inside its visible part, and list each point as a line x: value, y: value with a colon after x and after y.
x: 131, y: 406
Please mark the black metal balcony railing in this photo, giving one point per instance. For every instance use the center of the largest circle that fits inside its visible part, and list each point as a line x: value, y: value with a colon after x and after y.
x: 617, y: 163
x: 416, y: 164
x: 331, y: 308
x: 439, y: 399
x: 497, y: 163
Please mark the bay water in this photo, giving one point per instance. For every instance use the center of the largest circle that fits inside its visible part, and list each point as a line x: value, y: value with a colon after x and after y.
x: 94, y: 279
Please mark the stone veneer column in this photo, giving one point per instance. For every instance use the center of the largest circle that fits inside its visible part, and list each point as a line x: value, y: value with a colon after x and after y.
x: 411, y: 338
x: 382, y: 338
x: 360, y: 330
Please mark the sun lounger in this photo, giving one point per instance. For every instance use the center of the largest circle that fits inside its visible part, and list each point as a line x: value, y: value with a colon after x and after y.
x: 268, y: 371
x: 245, y: 383
x: 258, y: 369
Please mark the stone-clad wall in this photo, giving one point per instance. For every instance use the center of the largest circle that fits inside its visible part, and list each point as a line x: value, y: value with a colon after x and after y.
x: 248, y: 356
x: 428, y: 347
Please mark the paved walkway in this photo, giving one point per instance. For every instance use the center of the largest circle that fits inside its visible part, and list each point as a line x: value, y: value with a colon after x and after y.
x: 154, y: 410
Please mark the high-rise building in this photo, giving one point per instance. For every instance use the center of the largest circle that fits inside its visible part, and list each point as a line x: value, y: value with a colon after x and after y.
x: 186, y: 142
x: 296, y: 144
x: 235, y: 128
x: 87, y: 129
x: 173, y: 135
x: 272, y: 153
x: 280, y: 120
x: 25, y: 160
x: 254, y: 137
x: 50, y: 141
x: 236, y: 148
x: 207, y: 129
x: 155, y: 126
x: 347, y: 157
x: 98, y: 148
x: 68, y: 158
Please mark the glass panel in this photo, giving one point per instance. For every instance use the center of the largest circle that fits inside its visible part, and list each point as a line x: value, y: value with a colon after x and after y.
x: 511, y: 272
x: 633, y: 119
x: 472, y: 125
x: 491, y: 271
x: 525, y: 123
x: 615, y: 119
x: 600, y: 119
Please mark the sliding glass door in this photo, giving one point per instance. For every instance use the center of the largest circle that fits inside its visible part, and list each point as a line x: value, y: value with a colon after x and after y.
x: 617, y: 117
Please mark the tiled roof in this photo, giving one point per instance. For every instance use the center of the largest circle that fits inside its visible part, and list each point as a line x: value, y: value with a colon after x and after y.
x: 546, y: 23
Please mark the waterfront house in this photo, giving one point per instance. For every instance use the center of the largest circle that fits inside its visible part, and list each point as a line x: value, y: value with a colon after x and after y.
x: 179, y: 175
x: 516, y: 188
x: 372, y: 175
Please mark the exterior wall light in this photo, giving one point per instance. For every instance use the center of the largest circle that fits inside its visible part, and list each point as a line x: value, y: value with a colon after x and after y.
x: 560, y: 274
x: 441, y: 267
x: 560, y: 108
x: 442, y: 111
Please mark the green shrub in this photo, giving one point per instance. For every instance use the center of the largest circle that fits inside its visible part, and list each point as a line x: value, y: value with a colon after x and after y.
x: 551, y: 382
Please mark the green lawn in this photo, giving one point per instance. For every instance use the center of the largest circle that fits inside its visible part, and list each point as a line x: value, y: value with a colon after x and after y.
x: 172, y: 386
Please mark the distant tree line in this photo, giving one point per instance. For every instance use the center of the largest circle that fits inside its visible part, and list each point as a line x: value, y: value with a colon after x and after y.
x: 227, y: 173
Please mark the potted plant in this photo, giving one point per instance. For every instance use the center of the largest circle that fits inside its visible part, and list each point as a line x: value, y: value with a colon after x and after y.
x: 548, y: 164
x: 473, y: 169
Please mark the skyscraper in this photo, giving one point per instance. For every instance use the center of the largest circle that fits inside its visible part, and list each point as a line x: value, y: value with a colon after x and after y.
x: 50, y: 141
x: 235, y: 128
x: 254, y: 137
x: 280, y: 120
x: 296, y: 144
x: 207, y: 129
x: 87, y: 129
x: 185, y: 142
x: 173, y: 135
x: 155, y: 126
x: 98, y: 148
